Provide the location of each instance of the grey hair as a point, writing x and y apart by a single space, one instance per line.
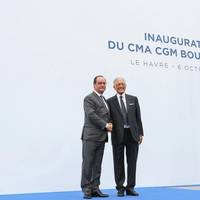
119 78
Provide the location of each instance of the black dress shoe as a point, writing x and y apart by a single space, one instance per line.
120 192
98 193
131 192
87 195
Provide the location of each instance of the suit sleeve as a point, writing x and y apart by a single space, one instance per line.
138 118
109 106
90 110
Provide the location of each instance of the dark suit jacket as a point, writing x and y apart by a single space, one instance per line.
96 118
134 118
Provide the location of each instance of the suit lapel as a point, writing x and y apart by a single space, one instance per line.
127 103
101 102
97 97
116 102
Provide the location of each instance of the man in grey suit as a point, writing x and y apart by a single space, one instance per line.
94 135
127 133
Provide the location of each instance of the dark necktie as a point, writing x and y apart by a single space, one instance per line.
104 102
123 110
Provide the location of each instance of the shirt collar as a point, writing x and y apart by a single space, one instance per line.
98 93
123 95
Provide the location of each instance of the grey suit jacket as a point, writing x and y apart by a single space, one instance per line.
134 118
96 118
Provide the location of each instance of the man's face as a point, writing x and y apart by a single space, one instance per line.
120 86
100 85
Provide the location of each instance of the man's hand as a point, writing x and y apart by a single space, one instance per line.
109 127
141 139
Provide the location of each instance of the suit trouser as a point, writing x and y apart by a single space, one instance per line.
131 157
92 155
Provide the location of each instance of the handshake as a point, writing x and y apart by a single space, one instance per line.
109 127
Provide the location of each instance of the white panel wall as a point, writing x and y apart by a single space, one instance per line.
49 53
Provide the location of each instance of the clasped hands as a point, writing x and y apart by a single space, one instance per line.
109 127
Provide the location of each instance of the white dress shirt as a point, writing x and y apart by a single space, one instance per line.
124 100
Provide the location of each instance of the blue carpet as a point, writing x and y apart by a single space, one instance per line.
148 193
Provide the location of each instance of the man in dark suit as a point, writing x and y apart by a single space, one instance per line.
127 133
94 135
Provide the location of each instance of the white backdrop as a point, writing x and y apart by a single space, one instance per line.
49 53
